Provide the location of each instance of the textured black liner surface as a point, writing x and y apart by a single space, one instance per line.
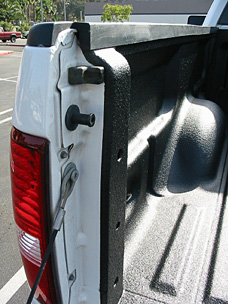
163 169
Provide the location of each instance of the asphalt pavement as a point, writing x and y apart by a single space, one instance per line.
18 43
13 287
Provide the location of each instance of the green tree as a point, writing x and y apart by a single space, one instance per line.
24 6
49 10
116 13
34 4
26 10
10 10
73 9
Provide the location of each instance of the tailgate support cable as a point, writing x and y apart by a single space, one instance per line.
69 179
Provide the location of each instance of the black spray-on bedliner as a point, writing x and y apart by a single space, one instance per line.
175 228
164 165
173 254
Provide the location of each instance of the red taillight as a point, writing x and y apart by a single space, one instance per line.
29 177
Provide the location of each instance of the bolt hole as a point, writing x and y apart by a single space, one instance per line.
71 277
92 120
116 282
120 155
118 226
63 154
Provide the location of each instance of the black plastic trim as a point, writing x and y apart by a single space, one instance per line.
114 170
45 34
93 36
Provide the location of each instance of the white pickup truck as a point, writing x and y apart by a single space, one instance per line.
119 162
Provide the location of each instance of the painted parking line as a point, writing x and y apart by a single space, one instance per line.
12 286
5 120
10 79
6 111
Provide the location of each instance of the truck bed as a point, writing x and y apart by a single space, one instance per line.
147 221
176 244
174 241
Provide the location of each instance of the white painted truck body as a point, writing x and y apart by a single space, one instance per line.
36 97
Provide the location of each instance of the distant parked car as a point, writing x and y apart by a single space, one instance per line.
12 36
26 34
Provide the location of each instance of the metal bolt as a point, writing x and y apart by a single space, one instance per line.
71 277
63 154
74 175
74 118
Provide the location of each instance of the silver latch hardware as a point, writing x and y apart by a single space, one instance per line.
70 176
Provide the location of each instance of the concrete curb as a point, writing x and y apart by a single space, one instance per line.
5 53
11 44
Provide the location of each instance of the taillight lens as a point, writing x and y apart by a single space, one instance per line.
29 180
